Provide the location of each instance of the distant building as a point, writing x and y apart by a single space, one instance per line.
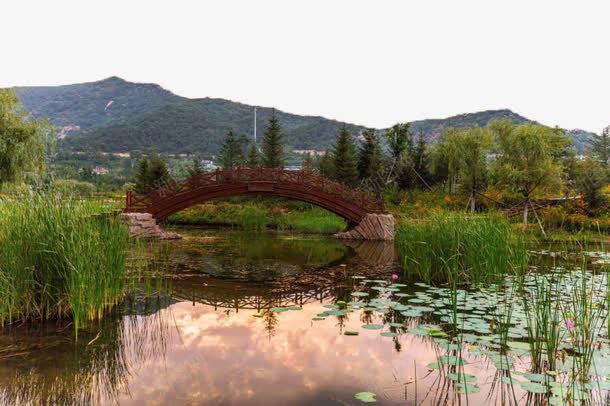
313 152
100 170
293 168
208 165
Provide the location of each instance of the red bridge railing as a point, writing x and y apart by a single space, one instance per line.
304 178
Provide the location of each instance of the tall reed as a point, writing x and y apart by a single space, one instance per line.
59 258
469 248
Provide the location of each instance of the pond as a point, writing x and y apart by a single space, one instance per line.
282 319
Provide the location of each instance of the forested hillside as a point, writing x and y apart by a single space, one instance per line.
114 115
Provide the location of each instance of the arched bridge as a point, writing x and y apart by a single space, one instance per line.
355 206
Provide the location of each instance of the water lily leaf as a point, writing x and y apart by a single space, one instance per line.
461 377
389 334
452 360
318 318
434 365
467 388
372 326
534 387
359 294
351 333
365 397
257 315
279 309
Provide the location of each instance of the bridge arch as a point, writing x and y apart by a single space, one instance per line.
304 185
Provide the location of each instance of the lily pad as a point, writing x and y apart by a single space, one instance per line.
372 326
389 334
365 397
351 333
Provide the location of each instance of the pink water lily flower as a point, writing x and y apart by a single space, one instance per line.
570 324
395 276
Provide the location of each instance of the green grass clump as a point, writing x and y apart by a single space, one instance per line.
314 221
462 248
59 258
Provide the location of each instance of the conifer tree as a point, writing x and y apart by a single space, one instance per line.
142 183
158 172
232 151
253 158
325 164
344 154
196 168
307 162
273 148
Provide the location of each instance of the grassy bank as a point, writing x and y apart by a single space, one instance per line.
259 213
459 247
59 258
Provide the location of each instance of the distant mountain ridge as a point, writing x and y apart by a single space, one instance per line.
114 115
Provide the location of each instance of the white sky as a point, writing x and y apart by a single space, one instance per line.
367 62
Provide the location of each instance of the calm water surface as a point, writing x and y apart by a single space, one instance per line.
225 336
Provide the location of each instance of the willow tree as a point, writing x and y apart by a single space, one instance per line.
446 157
474 145
527 158
23 140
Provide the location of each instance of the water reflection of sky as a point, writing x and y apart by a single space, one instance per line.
215 357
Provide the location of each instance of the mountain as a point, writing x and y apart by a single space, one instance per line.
94 104
114 115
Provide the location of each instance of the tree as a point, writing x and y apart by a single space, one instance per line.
590 179
527 158
474 145
195 169
307 162
23 141
344 155
254 160
400 145
325 164
141 180
152 173
370 162
600 148
232 151
273 148
158 172
446 157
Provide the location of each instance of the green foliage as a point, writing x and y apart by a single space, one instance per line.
254 160
152 173
527 158
465 153
232 151
196 168
59 258
273 144
262 212
23 142
370 162
325 164
459 248
72 188
307 162
600 148
344 156
590 179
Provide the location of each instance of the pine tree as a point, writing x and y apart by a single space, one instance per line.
253 158
325 164
307 162
158 172
273 148
196 168
142 182
365 153
370 162
420 160
346 170
232 151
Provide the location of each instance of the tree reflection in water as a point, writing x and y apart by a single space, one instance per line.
44 364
